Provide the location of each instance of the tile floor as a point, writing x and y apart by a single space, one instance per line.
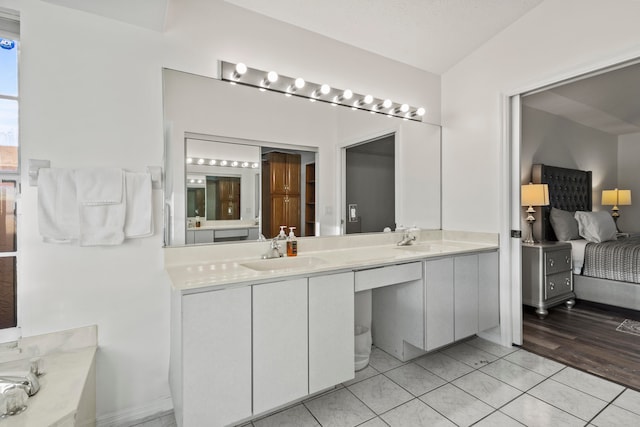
471 383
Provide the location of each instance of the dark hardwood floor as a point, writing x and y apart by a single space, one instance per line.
585 338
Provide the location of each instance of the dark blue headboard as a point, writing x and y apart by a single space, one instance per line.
569 190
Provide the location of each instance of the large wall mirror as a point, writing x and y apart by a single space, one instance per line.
208 121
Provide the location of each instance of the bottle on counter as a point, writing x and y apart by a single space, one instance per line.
282 235
292 243
197 221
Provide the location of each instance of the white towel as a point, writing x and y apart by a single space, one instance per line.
100 186
101 205
139 210
57 206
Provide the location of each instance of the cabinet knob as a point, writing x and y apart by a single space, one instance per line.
551 262
567 259
552 285
567 282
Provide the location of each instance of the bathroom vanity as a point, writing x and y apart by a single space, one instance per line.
249 336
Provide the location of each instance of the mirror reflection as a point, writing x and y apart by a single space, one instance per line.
213 117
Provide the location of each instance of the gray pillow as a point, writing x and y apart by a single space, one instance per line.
564 225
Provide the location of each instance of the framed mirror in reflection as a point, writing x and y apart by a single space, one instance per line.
198 108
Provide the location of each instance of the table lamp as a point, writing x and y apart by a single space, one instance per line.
533 195
616 198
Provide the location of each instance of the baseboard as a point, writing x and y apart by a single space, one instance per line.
134 416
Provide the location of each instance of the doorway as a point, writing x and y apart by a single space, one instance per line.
370 185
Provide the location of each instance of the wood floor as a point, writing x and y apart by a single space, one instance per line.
585 338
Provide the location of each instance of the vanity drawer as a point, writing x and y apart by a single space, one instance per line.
236 233
558 284
556 261
385 276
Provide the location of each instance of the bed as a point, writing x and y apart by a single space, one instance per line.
570 190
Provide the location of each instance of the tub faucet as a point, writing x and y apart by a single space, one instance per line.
407 239
274 250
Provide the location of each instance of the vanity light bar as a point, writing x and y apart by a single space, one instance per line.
289 86
201 161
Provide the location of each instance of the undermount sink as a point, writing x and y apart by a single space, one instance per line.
284 263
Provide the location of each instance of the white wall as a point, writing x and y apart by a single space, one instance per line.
554 39
629 178
556 141
91 95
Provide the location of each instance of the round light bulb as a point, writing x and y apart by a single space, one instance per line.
347 94
368 99
189 160
387 103
223 163
199 181
234 164
245 164
212 162
200 161
299 83
272 76
255 165
241 68
325 89
421 111
404 108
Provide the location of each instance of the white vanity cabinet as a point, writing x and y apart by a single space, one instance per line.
212 383
331 326
462 297
280 343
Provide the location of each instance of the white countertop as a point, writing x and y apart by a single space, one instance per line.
224 265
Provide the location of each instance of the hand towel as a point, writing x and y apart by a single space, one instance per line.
57 206
101 206
100 186
139 210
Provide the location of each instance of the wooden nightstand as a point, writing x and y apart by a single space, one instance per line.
547 276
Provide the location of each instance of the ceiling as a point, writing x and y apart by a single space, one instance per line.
432 35
609 101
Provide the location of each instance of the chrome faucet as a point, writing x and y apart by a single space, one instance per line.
275 251
407 239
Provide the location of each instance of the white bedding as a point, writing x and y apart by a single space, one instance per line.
577 254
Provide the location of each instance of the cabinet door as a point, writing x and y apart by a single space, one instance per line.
331 326
191 237
465 296
278 173
280 340
293 175
439 303
216 342
488 291
292 206
203 236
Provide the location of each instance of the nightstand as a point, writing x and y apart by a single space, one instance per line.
547 276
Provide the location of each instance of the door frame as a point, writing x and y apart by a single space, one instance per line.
510 209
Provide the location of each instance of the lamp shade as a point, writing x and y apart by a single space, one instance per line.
535 195
616 197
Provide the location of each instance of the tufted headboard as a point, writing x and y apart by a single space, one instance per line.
569 190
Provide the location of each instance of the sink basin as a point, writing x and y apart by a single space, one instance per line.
284 263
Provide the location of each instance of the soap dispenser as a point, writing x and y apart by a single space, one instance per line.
292 243
282 235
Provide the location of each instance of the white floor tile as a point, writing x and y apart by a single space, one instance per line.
568 399
534 362
514 375
536 413
590 384
614 416
380 393
298 416
415 413
339 409
382 361
629 400
457 405
415 379
469 355
443 366
498 419
489 347
362 374
486 388
376 422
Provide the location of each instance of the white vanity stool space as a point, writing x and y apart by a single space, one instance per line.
547 276
250 336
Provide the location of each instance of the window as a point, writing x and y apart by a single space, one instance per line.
9 166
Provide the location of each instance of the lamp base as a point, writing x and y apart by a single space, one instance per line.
529 237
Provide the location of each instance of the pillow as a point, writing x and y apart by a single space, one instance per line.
564 225
596 226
